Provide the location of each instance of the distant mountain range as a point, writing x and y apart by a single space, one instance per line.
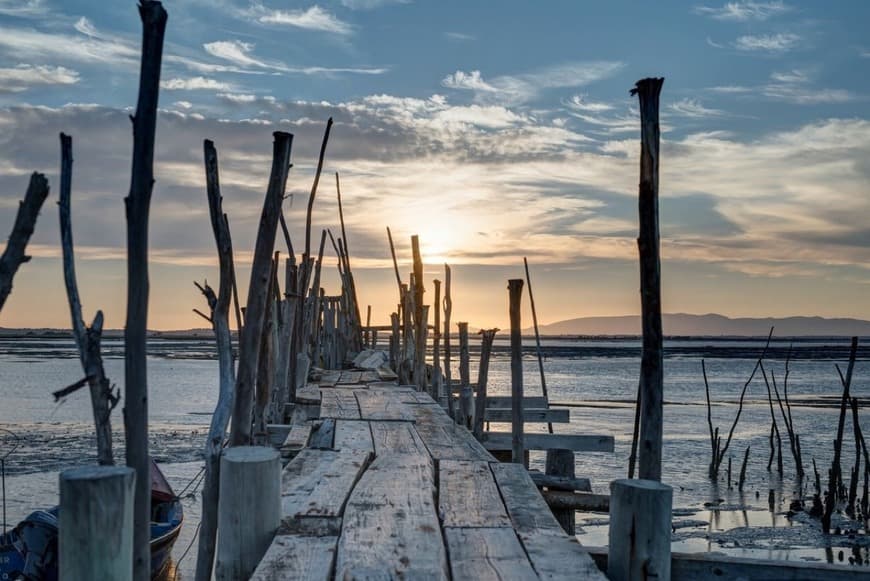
681 324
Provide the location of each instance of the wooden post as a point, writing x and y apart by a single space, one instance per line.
652 358
487 337
537 338
466 396
250 509
561 463
96 523
515 290
220 309
395 341
138 204
419 323
103 400
395 262
356 330
640 531
25 222
435 389
259 291
448 373
368 335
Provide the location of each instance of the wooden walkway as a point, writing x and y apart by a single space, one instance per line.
383 485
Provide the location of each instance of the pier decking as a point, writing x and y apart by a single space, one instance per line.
384 485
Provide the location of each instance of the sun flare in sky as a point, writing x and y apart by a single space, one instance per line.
492 131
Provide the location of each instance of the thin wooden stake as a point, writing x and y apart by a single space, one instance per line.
515 290
25 222
448 373
537 338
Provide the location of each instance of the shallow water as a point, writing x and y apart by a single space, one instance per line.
600 389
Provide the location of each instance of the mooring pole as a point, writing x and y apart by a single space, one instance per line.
515 290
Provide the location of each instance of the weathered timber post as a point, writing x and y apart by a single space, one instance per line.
250 509
25 222
351 290
561 463
515 290
419 322
103 400
651 367
640 530
395 262
368 333
466 395
96 523
220 316
435 389
138 204
394 341
640 510
487 337
448 373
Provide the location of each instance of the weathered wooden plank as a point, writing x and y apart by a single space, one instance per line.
468 496
444 439
369 376
390 528
277 433
709 566
504 401
386 384
296 440
559 557
560 482
297 557
577 442
329 378
414 397
350 377
396 438
525 505
339 404
387 374
553 554
382 405
487 553
308 394
353 435
302 412
315 486
322 433
530 416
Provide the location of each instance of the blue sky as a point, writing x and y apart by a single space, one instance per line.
494 130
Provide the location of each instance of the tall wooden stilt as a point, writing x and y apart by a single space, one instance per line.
515 289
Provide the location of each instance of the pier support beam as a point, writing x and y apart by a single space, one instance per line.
561 463
96 523
640 530
249 511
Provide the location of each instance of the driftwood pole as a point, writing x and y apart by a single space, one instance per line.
651 368
258 292
25 222
220 316
436 345
466 396
395 262
487 337
835 472
515 290
138 203
103 400
419 321
537 339
355 312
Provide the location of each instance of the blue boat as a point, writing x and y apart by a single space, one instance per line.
29 551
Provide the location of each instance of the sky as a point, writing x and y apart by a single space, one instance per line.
492 130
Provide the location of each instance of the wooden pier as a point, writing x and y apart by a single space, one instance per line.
382 484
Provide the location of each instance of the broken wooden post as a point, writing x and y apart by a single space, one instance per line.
259 291
640 530
560 463
395 341
515 290
25 222
96 523
419 322
487 338
138 204
448 373
368 333
220 316
652 363
87 340
466 396
250 509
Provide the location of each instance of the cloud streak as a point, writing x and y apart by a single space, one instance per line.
743 11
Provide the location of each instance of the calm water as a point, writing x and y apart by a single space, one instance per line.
598 379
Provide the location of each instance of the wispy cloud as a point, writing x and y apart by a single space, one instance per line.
24 77
23 8
236 52
27 43
521 88
195 84
313 18
794 86
459 36
370 4
743 11
581 103
772 43
241 55
693 108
